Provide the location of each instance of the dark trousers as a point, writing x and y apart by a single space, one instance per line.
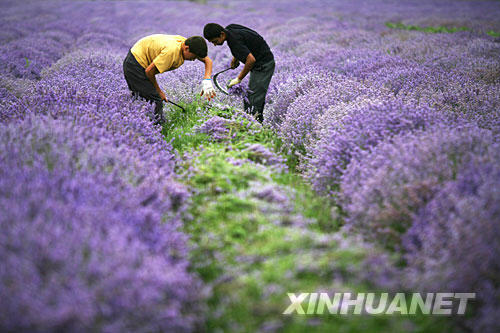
260 77
139 84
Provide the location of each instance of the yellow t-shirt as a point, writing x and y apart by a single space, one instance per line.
164 50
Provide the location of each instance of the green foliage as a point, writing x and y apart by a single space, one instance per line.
179 124
493 33
434 30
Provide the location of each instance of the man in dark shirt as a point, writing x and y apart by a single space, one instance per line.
250 48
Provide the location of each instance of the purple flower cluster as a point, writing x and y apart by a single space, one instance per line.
383 189
36 36
217 128
263 155
276 203
454 242
360 131
269 193
240 90
84 244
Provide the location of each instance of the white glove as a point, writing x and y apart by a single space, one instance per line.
233 82
207 89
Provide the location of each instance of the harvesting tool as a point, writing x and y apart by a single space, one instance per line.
214 79
177 106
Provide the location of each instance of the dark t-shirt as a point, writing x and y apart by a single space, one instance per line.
242 41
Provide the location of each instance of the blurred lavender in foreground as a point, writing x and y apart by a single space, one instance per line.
88 243
454 242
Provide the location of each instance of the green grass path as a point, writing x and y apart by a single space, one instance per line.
258 231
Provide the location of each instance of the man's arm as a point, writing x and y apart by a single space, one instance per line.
250 61
151 71
208 66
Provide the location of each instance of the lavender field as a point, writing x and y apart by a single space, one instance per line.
377 168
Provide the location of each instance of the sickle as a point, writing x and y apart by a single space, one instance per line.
183 110
217 83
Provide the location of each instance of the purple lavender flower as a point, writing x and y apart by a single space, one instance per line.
261 154
83 243
382 190
240 90
216 127
454 241
269 193
361 130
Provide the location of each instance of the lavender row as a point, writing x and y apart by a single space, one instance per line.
91 235
89 240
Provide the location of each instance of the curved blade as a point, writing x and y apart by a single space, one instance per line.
214 79
183 110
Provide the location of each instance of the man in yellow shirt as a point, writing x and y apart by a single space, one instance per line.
160 53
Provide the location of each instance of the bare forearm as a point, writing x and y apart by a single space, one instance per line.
250 61
208 67
152 78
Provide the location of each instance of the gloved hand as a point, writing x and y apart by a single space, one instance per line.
207 89
233 82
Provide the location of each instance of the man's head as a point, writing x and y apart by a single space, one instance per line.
214 33
194 47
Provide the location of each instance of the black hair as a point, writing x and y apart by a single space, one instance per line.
197 45
212 30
